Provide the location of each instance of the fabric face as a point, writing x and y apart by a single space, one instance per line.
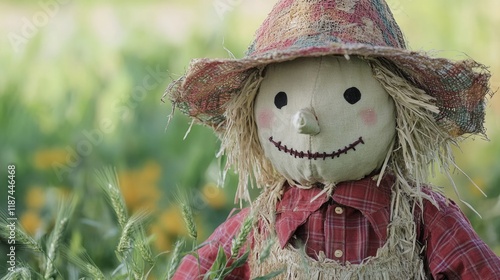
324 119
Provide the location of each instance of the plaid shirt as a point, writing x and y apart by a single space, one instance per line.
352 224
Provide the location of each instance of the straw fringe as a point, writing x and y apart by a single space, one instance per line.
419 142
398 259
240 141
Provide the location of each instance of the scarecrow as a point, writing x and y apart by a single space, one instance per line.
337 121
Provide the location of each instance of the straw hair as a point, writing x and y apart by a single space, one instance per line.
240 141
419 142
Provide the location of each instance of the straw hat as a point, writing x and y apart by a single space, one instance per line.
309 28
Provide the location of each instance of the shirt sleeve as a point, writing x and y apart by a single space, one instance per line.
454 250
195 268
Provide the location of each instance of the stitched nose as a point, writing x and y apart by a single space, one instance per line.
305 122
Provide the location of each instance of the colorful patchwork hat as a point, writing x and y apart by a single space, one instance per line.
310 28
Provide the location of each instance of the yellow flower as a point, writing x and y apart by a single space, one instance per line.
171 221
30 220
151 172
161 239
170 226
43 159
214 196
140 187
35 198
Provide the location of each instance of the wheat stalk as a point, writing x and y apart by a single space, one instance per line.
187 213
128 231
174 259
136 265
65 211
84 262
132 248
187 216
239 240
142 245
20 273
21 236
108 181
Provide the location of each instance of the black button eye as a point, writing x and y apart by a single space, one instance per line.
352 95
280 99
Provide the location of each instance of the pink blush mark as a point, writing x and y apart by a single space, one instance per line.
265 119
369 116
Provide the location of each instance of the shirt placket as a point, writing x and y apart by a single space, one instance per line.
335 224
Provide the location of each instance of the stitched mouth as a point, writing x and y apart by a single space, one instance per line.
317 155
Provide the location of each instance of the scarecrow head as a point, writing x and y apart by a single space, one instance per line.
324 120
328 92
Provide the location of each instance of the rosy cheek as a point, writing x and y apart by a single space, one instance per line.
369 116
265 119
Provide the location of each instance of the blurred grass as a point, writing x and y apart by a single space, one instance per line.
83 91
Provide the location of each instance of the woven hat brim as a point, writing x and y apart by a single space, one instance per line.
459 87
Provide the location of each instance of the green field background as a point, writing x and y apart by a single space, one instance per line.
80 89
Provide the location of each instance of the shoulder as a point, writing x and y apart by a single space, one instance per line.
440 209
453 248
437 216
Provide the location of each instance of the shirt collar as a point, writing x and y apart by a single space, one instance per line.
296 205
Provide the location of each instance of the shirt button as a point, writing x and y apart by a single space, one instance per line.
338 253
339 210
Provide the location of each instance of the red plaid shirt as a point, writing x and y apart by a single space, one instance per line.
352 225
